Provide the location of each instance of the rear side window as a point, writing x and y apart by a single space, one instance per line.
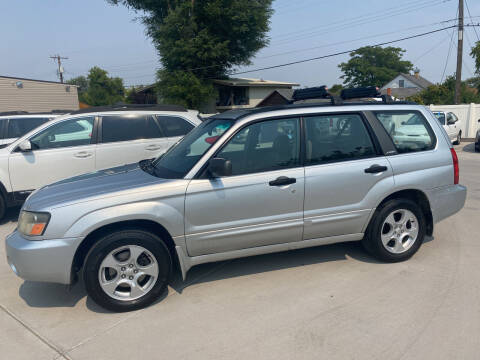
19 127
338 137
409 130
127 127
174 126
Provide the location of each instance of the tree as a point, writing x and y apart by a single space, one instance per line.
335 89
444 93
98 88
198 41
374 66
475 53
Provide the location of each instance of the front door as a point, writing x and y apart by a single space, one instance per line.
261 203
343 169
60 151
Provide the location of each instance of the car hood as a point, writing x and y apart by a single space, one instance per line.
89 186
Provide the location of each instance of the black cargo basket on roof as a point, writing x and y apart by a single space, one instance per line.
10 113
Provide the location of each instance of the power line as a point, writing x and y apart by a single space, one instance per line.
432 48
448 55
470 15
339 53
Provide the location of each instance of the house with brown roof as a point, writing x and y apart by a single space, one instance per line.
406 85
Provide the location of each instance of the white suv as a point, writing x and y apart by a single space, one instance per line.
451 124
86 141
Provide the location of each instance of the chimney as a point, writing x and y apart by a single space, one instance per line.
389 91
416 72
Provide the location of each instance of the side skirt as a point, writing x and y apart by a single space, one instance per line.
187 262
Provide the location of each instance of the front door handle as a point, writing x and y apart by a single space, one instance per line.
374 169
82 154
153 147
282 180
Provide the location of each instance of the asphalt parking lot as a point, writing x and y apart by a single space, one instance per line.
331 302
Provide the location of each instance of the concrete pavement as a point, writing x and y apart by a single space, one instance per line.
331 302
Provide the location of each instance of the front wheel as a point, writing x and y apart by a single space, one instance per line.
396 231
127 270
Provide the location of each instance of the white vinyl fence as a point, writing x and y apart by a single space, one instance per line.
469 114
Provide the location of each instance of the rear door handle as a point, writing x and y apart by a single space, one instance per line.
282 180
82 154
375 169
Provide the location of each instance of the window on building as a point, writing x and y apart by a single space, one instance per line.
401 83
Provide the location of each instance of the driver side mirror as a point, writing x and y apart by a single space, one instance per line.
25 146
219 167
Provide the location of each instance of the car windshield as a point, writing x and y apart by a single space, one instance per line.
181 157
440 117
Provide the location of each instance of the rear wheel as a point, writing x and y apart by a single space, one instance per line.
458 140
3 207
127 270
396 231
477 146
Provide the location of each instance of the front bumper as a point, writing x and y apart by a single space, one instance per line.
446 201
43 260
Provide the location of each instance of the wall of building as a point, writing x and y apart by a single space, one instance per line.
394 83
36 96
468 114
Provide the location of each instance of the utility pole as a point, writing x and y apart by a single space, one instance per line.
458 83
59 59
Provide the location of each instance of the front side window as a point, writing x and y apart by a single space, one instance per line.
20 126
129 127
74 132
337 137
173 126
181 158
264 146
409 130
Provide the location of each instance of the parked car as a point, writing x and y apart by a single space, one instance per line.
269 180
477 140
85 141
451 124
15 124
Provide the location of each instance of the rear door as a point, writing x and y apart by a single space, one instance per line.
344 170
17 127
128 138
174 127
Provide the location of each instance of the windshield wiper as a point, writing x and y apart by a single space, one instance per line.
147 166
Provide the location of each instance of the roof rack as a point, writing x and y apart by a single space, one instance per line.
321 92
127 107
9 113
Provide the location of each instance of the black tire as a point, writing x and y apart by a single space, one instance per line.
459 139
477 147
109 243
372 241
3 207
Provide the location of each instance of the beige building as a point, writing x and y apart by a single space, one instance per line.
237 93
36 95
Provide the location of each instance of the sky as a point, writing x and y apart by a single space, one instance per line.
95 33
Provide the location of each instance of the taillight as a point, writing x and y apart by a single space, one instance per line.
456 170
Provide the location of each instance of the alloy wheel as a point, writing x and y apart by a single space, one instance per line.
399 231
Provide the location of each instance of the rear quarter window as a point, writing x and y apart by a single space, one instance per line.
409 130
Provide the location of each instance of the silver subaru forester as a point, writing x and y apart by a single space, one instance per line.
243 183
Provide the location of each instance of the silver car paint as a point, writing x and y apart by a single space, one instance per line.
87 203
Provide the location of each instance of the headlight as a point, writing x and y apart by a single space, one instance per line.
33 223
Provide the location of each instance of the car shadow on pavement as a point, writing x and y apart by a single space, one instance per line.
57 295
470 147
